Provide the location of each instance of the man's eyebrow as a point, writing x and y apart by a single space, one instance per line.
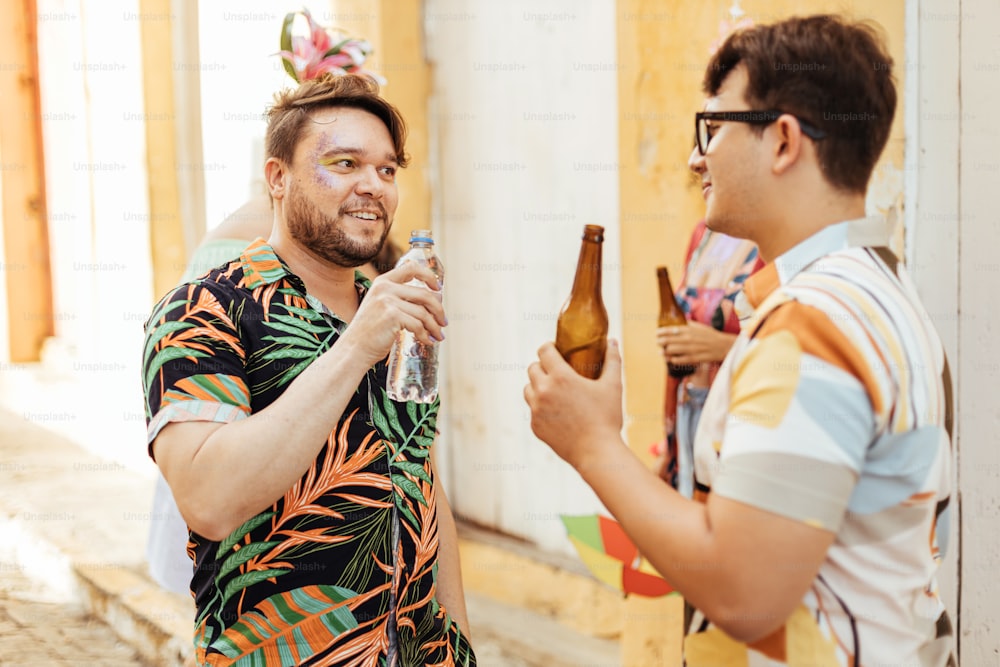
358 152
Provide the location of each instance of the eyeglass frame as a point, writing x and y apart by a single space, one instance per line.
751 117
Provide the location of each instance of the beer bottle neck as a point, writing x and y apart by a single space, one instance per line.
588 269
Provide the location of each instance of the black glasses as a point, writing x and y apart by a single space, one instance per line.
703 133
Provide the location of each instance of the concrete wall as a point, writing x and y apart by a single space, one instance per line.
524 124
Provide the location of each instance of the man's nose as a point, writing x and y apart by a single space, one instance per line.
696 161
369 182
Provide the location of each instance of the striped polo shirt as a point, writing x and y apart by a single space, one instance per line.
834 408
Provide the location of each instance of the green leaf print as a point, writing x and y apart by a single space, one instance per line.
293 372
405 511
415 469
309 314
300 324
161 331
380 422
227 544
410 488
392 416
290 353
165 307
169 354
248 580
295 331
307 618
290 340
243 555
418 453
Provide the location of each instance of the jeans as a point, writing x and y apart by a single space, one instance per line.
689 406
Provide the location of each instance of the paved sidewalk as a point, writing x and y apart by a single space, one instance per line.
79 523
37 628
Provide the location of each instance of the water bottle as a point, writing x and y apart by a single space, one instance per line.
413 366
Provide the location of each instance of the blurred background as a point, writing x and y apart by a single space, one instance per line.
130 128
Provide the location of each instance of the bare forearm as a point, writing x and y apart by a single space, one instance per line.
245 466
711 553
669 530
450 591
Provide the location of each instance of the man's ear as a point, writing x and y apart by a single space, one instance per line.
276 177
788 143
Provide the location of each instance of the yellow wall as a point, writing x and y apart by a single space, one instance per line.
663 46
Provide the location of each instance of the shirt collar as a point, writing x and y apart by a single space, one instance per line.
262 266
870 231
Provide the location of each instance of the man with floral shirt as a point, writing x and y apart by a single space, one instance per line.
822 458
317 528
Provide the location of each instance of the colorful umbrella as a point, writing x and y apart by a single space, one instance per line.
612 557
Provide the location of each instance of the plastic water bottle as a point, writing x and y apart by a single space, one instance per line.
413 366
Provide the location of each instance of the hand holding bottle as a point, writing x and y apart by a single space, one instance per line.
413 363
393 304
694 343
577 417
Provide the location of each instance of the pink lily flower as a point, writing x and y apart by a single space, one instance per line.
306 58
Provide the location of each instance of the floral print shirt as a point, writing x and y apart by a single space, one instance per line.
342 569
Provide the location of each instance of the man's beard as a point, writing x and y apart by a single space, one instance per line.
324 235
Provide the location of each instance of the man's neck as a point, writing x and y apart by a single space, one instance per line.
797 223
333 285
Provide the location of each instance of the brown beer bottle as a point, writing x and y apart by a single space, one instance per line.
582 329
671 315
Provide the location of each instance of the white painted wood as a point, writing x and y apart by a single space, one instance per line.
95 158
191 164
932 201
524 117
979 363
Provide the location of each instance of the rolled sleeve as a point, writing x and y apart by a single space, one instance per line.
193 361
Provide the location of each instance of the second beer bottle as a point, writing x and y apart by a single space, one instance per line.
582 329
671 315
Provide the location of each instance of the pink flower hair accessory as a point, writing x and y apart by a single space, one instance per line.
323 50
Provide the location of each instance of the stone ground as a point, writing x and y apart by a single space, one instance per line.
39 630
73 582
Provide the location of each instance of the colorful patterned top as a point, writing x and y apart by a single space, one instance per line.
341 570
834 408
715 268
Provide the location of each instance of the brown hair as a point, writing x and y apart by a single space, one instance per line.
834 74
287 117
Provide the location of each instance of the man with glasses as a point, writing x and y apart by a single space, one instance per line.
822 458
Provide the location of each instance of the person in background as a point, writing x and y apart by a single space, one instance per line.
716 266
823 454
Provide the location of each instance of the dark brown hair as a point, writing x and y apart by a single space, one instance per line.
834 74
287 117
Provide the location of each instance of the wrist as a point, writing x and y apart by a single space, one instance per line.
597 454
350 355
